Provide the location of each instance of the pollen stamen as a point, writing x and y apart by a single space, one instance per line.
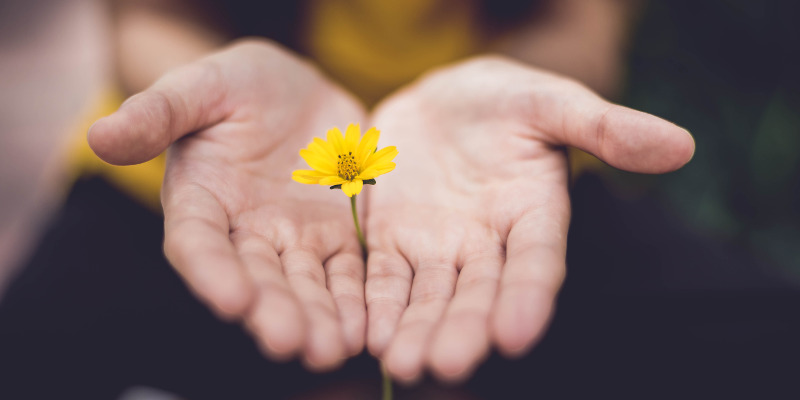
347 166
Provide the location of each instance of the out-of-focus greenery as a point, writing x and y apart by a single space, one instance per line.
729 72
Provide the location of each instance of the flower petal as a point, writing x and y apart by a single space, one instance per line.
336 140
332 180
322 148
307 176
367 146
383 155
376 170
352 188
351 138
319 163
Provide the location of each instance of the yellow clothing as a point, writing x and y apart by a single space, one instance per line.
374 47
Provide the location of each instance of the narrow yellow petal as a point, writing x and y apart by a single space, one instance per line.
336 140
322 148
352 188
318 163
367 146
383 155
383 165
332 180
376 170
307 176
385 170
351 138
368 174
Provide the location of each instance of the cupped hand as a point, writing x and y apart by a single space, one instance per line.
467 237
253 244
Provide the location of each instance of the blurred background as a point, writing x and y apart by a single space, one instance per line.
681 284
54 57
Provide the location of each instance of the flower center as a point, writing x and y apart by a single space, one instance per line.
347 166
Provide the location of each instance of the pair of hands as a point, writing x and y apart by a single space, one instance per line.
466 238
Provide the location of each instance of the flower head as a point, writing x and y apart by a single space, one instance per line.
346 161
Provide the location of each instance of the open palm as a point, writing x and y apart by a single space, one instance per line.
467 237
281 256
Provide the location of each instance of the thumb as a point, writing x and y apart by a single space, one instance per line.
184 100
622 137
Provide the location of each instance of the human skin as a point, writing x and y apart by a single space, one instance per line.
467 237
472 224
281 257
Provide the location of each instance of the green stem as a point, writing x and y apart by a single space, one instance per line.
358 227
387 380
387 384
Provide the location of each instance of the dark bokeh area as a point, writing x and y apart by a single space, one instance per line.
728 72
683 285
75 322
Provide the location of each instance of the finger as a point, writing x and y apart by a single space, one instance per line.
431 291
532 275
325 348
276 319
196 243
454 354
387 289
624 138
182 101
345 276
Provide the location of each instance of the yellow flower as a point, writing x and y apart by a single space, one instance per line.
348 161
